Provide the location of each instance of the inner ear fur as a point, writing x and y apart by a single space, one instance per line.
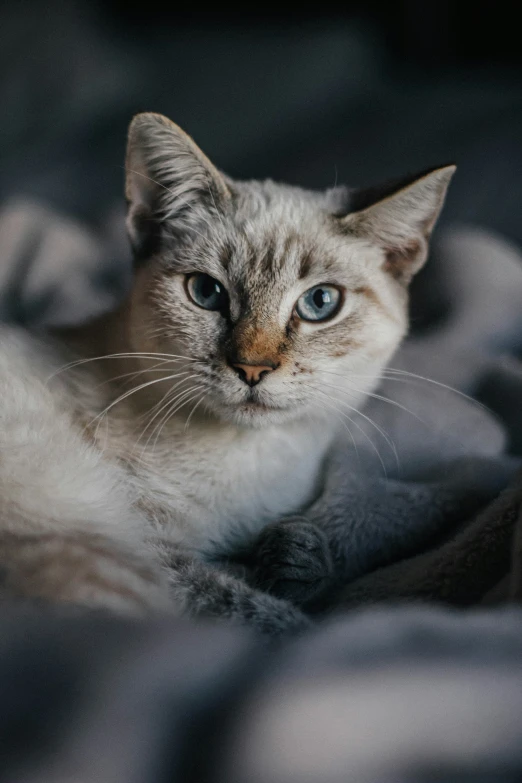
401 221
168 180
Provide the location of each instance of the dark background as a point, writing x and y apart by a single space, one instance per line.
312 95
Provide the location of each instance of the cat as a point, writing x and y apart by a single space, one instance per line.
140 451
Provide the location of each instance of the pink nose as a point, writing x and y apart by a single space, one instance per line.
252 373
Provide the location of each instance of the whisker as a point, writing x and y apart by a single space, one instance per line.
375 396
182 399
381 397
339 415
125 355
389 373
159 406
365 434
379 429
171 401
125 395
135 373
396 404
408 374
196 406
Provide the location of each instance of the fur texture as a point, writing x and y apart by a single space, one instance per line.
136 455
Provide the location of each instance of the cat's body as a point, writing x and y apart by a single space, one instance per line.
176 430
67 475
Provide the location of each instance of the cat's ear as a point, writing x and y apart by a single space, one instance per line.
400 219
168 180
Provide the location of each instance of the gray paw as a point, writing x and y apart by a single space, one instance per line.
293 561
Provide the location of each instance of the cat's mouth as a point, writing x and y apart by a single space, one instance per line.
257 410
257 402
252 404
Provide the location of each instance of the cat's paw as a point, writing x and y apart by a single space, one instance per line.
293 561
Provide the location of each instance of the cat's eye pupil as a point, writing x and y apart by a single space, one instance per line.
206 291
208 287
321 297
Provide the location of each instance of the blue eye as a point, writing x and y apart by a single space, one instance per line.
206 292
318 303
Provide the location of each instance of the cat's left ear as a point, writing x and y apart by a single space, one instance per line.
401 220
168 181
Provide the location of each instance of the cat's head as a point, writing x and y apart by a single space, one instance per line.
285 302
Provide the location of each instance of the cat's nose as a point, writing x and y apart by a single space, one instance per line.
253 373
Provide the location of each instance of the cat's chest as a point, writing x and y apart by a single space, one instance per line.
216 495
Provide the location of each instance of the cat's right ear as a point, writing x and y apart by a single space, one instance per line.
170 184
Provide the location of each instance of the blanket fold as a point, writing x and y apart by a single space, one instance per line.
481 563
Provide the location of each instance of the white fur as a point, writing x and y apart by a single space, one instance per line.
209 488
51 477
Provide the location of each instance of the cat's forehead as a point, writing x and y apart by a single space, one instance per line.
260 206
272 252
278 234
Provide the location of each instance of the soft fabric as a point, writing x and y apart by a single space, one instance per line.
402 696
480 563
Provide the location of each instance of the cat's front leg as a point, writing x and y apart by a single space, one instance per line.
202 590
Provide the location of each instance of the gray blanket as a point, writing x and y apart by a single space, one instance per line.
396 696
385 695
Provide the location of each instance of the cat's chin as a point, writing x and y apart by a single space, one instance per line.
258 415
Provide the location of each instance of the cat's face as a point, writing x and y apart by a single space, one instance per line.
285 303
